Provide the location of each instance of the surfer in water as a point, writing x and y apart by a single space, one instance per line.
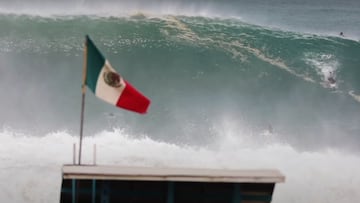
331 78
341 34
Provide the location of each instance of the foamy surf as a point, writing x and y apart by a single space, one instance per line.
25 157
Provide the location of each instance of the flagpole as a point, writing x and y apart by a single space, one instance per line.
83 90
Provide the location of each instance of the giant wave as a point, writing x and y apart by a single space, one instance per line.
225 94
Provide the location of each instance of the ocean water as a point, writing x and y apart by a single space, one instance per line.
236 84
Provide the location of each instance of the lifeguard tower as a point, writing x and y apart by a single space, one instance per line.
115 184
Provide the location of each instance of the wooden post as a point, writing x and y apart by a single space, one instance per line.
74 153
94 158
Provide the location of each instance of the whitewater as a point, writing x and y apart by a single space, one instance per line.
235 85
31 166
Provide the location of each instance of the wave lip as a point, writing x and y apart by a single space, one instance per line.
117 9
318 20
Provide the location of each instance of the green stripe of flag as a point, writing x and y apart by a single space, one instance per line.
95 62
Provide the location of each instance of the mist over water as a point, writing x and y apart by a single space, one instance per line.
241 84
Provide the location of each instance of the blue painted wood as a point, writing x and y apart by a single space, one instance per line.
170 192
262 198
236 193
105 191
73 185
93 190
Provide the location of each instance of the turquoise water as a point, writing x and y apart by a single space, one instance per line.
196 70
232 84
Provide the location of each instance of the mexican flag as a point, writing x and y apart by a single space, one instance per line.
108 85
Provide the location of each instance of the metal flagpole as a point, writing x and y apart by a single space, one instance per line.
83 87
